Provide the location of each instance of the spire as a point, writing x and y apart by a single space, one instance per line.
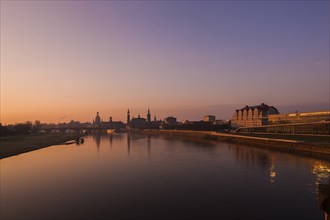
97 118
148 116
128 117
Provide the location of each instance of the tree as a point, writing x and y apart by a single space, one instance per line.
37 124
23 128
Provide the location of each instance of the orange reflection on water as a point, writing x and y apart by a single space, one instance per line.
322 171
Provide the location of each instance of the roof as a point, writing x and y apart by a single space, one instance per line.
262 107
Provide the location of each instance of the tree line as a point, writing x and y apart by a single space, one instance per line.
19 128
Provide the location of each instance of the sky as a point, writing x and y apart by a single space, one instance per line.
64 60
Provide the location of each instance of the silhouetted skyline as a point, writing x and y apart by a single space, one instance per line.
187 58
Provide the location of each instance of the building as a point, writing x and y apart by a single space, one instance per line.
304 117
116 125
316 123
148 117
128 117
221 122
170 121
97 120
209 118
253 116
100 124
139 122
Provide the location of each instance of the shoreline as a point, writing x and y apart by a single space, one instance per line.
15 145
310 149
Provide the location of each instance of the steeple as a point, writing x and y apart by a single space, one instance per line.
148 117
128 117
97 119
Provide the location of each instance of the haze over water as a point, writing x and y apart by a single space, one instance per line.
154 177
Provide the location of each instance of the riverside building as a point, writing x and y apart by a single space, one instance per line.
253 116
311 123
209 118
139 122
98 123
303 117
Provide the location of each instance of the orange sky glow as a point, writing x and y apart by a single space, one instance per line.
63 61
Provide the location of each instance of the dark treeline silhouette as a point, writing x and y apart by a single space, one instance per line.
17 129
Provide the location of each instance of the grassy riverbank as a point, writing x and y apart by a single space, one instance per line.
14 145
318 147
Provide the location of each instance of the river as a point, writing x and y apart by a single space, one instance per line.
122 176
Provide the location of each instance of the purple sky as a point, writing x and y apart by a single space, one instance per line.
186 58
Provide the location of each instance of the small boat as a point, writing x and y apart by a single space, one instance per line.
79 140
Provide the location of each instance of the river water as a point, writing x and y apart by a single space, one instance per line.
123 176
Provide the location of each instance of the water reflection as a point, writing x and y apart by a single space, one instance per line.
324 199
128 144
100 136
253 157
97 138
272 170
321 171
149 145
111 136
153 177
247 156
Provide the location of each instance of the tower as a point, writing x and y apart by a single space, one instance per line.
97 119
128 117
110 123
148 117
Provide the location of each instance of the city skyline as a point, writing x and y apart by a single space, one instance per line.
67 60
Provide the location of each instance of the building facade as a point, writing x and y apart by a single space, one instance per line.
209 118
316 123
98 123
140 122
170 121
303 117
252 116
97 120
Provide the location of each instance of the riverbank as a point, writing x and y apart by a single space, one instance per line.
18 144
296 146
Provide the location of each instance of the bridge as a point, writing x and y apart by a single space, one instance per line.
82 129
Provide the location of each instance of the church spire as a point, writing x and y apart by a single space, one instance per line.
148 117
97 119
128 117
